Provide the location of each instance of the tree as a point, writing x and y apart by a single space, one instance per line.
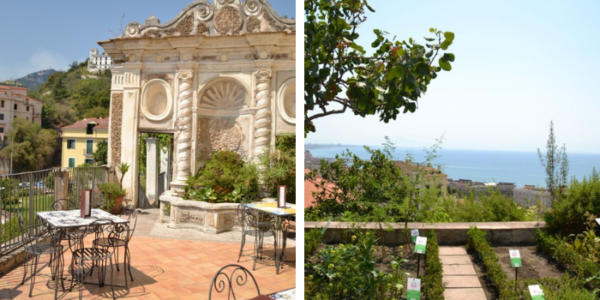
31 146
340 75
101 153
556 163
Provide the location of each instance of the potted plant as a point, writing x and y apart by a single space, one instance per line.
114 193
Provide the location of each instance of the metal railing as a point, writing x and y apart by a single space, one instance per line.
31 192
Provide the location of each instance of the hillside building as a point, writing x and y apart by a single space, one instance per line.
14 103
80 140
98 62
431 177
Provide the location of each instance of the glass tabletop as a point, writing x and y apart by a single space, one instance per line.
72 218
271 207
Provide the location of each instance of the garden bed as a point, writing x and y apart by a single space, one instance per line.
535 263
374 271
499 277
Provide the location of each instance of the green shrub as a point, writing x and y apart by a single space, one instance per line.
225 178
491 207
433 285
559 249
568 214
348 272
278 167
312 240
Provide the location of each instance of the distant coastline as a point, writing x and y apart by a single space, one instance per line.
486 166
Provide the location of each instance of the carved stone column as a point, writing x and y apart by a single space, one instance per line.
262 123
184 132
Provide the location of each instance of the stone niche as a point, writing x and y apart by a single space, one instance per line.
156 105
224 120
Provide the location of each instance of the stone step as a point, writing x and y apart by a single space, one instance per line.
456 260
464 281
458 270
453 251
464 294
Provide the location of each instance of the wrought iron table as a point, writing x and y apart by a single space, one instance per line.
280 213
64 220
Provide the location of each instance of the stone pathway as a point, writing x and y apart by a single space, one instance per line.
459 277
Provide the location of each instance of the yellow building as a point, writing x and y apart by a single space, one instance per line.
80 140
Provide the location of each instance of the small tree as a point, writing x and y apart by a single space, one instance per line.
31 146
101 153
556 164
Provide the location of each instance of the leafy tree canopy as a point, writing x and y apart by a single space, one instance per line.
31 145
339 71
101 153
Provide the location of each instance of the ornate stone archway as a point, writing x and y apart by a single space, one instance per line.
210 76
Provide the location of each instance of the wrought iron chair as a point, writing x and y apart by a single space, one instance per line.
226 280
96 256
254 224
62 204
116 240
32 236
288 228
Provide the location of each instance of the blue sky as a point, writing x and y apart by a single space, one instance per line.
519 65
39 34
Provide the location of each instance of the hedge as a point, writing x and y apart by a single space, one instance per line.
433 285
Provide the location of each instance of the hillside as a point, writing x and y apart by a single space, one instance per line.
73 95
34 80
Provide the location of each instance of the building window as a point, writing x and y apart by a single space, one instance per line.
1 129
89 147
2 103
27 107
70 144
15 106
1 116
89 161
71 162
90 128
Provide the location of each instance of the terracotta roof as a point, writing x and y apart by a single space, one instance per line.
310 188
82 124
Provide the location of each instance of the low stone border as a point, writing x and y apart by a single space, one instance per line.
206 217
448 234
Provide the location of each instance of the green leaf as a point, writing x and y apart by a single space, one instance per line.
444 64
369 7
376 43
448 56
445 44
400 52
449 35
429 39
429 54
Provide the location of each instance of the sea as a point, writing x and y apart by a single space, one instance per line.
520 168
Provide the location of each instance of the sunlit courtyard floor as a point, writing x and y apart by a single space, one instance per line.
164 267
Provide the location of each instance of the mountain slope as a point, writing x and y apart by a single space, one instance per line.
34 80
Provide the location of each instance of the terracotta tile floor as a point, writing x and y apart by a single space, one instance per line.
162 269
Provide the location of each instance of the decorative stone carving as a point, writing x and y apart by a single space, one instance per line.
156 100
203 12
228 20
286 101
164 76
225 134
252 8
116 115
225 94
226 17
253 24
184 122
262 124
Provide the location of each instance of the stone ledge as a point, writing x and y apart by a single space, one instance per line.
499 233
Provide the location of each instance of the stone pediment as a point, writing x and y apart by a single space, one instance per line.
223 18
